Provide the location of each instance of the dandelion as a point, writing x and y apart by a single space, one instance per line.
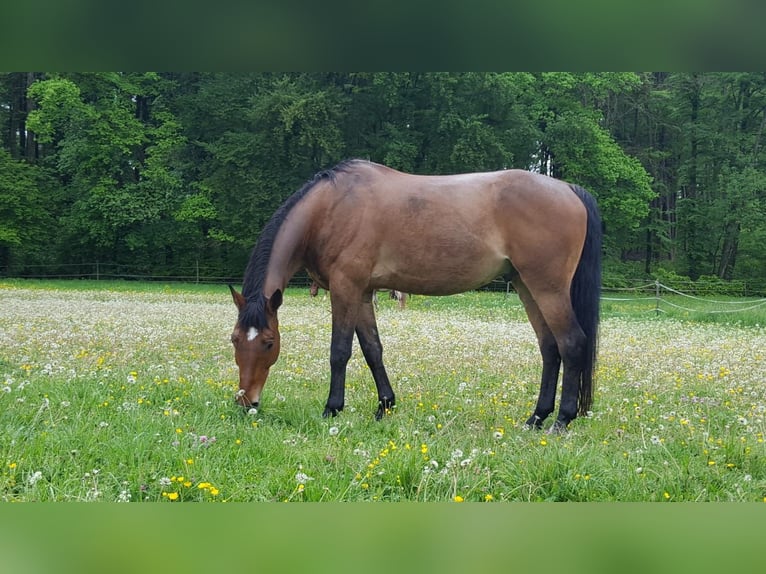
165 481
334 431
543 442
656 440
459 498
666 495
252 411
488 498
302 478
172 496
742 420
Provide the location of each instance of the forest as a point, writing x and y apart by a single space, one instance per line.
174 174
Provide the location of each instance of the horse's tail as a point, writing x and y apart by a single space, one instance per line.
586 296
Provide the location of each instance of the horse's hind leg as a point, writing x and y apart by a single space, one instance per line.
556 308
369 341
550 354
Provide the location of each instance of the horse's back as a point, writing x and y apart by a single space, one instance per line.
446 233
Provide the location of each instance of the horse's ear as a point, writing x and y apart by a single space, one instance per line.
275 301
239 300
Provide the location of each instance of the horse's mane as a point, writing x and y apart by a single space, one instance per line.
253 314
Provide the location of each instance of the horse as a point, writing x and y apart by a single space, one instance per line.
352 228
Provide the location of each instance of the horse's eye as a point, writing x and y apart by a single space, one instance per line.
268 345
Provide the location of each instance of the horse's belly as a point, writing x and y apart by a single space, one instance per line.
438 275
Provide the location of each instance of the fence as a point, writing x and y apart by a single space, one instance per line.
655 292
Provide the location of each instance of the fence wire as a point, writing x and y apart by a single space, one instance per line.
660 289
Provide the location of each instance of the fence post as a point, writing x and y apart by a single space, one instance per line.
97 271
197 267
656 296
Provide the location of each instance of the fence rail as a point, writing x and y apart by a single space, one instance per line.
643 291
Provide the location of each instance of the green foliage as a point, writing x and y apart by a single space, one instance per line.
172 169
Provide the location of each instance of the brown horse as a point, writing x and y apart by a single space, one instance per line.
353 227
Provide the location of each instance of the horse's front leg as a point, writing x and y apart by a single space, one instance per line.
369 341
344 313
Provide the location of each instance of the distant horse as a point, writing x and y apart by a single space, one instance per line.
393 293
399 296
353 229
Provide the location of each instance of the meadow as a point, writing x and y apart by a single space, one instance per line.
124 392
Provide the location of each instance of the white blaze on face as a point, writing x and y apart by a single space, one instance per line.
252 333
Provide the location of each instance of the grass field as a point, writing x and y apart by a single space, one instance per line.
124 392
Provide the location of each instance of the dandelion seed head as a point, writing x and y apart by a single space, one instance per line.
302 478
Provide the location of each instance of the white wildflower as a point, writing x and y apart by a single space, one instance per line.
302 478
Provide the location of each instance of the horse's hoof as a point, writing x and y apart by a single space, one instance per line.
534 422
330 412
558 427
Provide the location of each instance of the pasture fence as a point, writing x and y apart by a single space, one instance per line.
656 292
691 297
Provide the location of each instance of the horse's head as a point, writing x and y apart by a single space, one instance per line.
255 350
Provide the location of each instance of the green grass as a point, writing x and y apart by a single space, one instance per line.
123 391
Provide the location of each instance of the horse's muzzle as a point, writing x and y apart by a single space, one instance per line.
247 407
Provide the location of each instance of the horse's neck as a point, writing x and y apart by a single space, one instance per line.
288 251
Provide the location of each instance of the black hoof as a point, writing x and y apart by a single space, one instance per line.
534 422
559 427
330 412
384 407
